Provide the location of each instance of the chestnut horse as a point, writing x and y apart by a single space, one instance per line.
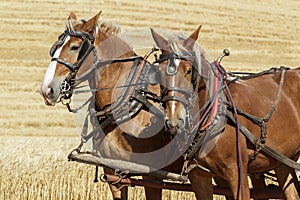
267 105
88 44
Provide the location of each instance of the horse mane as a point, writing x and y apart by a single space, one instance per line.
106 27
109 28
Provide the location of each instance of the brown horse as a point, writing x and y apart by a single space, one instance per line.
197 103
90 46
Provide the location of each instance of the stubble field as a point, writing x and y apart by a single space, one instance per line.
35 140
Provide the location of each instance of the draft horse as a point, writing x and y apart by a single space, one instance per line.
119 81
265 104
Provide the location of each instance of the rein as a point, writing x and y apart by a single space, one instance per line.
137 98
133 98
258 143
220 75
87 46
262 121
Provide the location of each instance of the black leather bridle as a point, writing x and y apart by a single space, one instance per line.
86 48
171 70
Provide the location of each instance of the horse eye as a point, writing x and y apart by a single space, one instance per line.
188 71
74 48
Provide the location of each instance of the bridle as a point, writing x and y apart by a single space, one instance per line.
171 71
187 94
135 88
86 48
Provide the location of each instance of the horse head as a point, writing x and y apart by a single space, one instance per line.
180 64
184 70
68 54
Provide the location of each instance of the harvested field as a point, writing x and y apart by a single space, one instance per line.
36 139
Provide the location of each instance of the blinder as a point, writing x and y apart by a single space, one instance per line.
83 49
58 43
172 69
86 47
61 39
195 75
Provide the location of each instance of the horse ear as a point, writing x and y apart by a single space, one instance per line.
72 16
189 43
91 24
160 41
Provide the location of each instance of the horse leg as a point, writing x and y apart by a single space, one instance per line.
237 191
117 194
222 183
258 182
152 193
287 183
231 174
201 184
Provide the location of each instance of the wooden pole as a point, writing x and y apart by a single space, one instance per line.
130 167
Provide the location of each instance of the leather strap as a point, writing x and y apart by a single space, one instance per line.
265 148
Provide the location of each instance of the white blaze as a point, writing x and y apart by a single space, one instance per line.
49 75
177 62
173 106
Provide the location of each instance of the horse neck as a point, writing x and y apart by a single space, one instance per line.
115 74
110 46
203 92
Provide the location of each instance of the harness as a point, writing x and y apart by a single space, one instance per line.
190 128
133 97
171 71
221 107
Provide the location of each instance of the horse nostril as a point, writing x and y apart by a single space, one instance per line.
50 92
168 124
181 120
179 123
171 124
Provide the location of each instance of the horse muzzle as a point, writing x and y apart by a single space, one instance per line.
51 93
174 126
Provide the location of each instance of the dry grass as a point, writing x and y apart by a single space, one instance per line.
260 35
37 168
34 168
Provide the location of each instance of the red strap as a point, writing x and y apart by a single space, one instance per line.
215 106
